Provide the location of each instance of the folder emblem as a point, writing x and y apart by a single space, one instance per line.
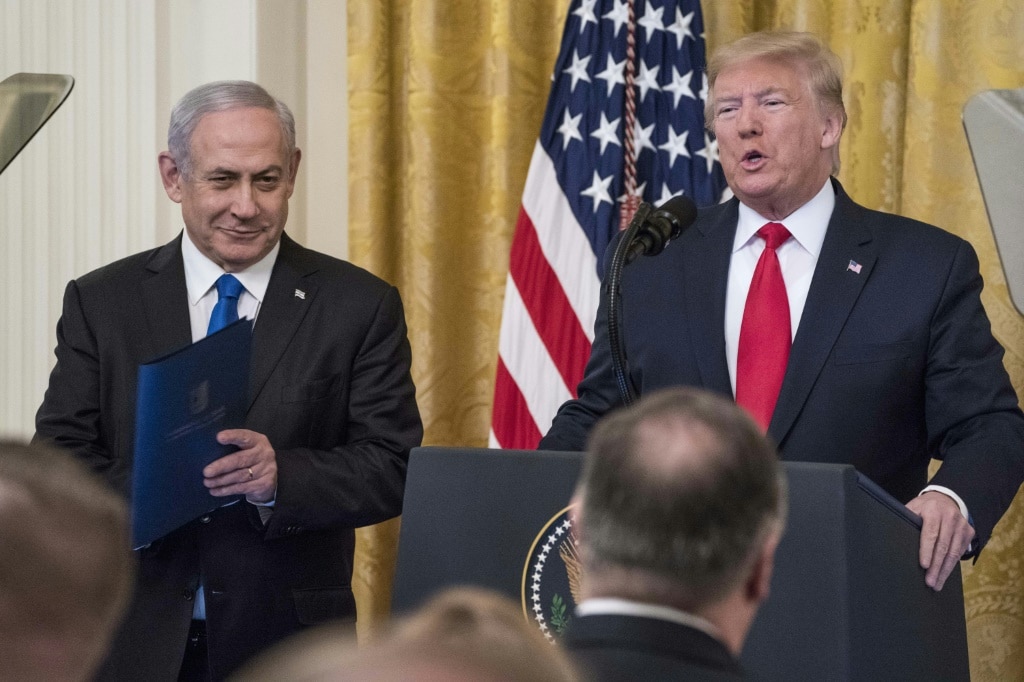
199 397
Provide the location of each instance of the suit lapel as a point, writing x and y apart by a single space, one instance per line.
165 302
705 295
834 290
289 295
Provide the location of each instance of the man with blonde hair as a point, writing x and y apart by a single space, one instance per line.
462 633
852 336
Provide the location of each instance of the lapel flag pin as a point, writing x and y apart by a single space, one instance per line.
299 293
854 266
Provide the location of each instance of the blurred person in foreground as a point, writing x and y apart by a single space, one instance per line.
678 513
851 335
461 634
331 413
65 567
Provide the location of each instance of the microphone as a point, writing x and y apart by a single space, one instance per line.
660 226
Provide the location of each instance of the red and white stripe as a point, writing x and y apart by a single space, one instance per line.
551 298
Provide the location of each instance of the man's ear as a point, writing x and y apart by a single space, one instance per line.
170 175
576 514
832 131
760 579
293 170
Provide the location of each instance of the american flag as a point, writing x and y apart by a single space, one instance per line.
577 183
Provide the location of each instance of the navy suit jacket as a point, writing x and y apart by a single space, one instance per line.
891 365
330 387
617 648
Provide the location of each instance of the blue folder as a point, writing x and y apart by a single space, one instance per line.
184 399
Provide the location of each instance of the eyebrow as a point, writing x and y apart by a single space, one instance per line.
760 94
220 170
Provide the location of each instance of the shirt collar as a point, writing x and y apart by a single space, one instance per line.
201 273
610 606
807 224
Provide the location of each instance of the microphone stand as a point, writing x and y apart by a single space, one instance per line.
615 299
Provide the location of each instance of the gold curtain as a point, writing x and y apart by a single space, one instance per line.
446 99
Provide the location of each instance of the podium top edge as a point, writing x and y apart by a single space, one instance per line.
433 450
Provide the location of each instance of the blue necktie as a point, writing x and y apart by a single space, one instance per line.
226 310
224 313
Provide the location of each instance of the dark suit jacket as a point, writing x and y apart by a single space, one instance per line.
890 366
331 389
613 648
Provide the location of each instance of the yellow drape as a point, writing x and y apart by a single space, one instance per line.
446 99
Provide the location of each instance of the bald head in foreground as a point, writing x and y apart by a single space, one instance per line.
679 511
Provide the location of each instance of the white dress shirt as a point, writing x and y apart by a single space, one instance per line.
611 606
201 276
797 258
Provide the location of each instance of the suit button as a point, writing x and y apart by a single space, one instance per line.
205 519
187 594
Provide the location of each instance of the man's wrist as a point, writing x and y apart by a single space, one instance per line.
268 503
948 493
959 503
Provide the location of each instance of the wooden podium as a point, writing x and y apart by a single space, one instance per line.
848 599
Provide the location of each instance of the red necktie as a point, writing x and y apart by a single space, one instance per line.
765 335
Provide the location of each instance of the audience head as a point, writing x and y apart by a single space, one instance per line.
462 634
66 568
681 503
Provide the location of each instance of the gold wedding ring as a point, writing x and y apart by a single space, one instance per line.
251 475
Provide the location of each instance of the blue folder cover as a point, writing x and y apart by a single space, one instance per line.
184 400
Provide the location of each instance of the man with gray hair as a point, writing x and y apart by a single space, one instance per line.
678 512
65 570
331 405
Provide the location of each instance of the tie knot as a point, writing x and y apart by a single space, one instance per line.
774 234
228 287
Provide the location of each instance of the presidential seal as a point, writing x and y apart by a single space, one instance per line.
551 577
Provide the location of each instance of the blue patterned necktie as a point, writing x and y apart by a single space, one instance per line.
226 310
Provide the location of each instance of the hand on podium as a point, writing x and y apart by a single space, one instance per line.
945 536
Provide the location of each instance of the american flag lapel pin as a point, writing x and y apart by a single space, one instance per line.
299 293
854 266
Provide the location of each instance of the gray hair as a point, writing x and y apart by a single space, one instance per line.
824 69
682 487
221 96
